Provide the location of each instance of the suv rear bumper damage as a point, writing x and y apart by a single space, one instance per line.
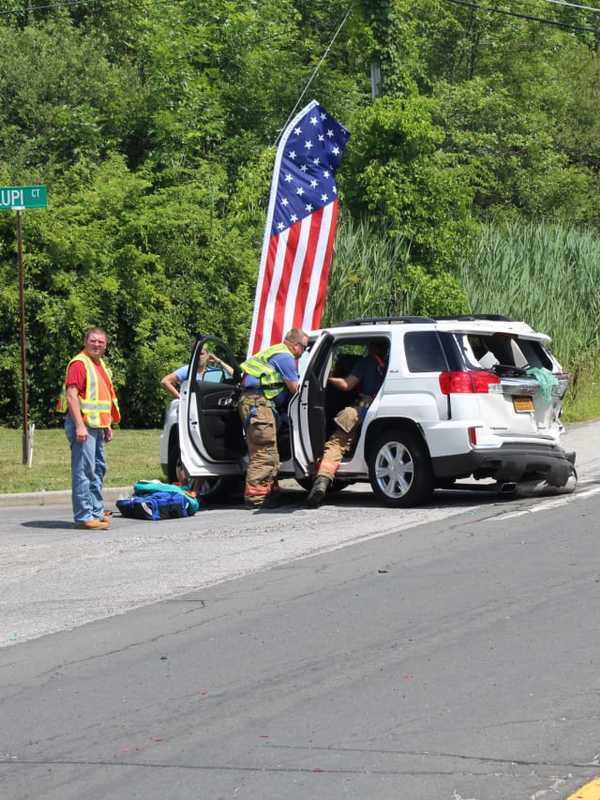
509 463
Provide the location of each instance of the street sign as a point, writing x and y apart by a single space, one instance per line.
16 198
19 198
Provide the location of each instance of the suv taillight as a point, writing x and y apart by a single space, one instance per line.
476 382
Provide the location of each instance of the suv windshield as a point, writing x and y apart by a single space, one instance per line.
493 351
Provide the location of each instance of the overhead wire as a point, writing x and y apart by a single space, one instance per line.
58 4
315 71
573 5
544 20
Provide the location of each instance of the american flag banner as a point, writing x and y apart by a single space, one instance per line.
300 230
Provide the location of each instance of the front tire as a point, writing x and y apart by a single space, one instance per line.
400 469
210 490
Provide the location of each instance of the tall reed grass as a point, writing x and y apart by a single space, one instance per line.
545 274
365 278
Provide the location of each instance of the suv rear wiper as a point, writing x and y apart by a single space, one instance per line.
509 370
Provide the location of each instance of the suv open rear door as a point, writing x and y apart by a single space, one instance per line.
209 426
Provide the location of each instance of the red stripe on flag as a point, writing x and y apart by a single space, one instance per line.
307 267
277 332
322 293
266 285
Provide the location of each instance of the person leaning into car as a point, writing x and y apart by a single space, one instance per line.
368 374
269 379
210 368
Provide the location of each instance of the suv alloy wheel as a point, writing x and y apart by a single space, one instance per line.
400 469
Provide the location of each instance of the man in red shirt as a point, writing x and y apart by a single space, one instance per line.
91 406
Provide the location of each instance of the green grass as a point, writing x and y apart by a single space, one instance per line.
547 275
583 399
131 456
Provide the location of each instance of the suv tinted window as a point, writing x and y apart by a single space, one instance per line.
424 352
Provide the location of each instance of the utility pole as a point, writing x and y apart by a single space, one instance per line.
22 335
376 82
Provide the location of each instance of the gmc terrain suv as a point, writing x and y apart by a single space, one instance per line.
476 396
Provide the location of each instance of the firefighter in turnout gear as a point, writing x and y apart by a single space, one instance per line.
367 375
270 378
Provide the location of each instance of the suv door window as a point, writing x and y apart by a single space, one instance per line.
213 420
424 352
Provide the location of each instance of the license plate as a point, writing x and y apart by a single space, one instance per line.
523 404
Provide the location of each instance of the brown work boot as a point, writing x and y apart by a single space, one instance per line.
94 524
318 491
250 504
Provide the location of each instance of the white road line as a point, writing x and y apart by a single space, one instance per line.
548 505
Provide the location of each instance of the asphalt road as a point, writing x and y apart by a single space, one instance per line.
451 654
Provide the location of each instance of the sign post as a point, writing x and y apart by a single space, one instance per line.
18 198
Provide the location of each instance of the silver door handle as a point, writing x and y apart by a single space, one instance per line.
225 402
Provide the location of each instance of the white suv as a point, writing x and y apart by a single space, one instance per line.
476 396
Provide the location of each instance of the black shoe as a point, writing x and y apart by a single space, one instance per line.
273 500
318 491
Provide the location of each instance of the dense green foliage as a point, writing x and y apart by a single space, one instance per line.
153 122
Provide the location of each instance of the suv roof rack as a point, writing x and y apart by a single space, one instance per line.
383 321
474 317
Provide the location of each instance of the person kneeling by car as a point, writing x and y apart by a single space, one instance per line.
369 372
270 378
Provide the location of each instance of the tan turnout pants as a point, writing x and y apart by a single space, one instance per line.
257 416
340 442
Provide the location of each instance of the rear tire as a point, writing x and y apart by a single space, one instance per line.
400 469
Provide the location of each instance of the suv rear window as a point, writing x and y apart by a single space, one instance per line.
424 352
485 352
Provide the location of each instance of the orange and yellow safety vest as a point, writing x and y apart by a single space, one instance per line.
99 406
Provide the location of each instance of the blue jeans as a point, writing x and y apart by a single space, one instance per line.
88 468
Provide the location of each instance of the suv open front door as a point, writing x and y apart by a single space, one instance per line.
208 414
307 409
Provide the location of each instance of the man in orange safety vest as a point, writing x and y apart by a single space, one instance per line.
89 401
